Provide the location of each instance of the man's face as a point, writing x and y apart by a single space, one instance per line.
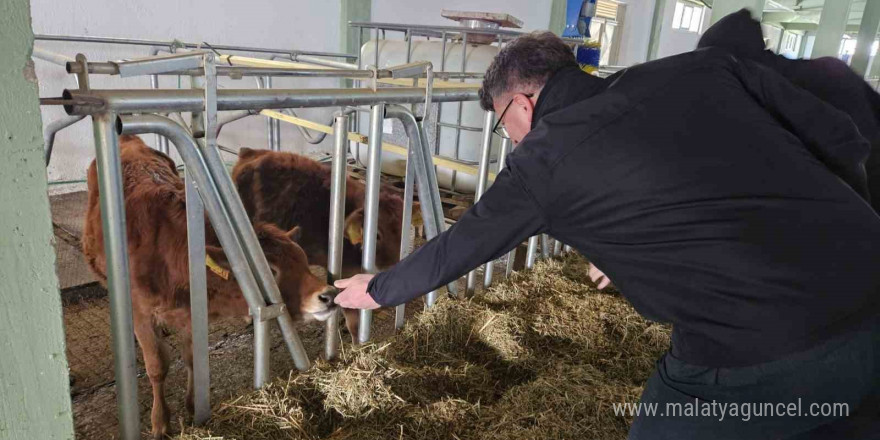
517 118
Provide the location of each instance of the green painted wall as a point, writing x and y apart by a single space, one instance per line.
656 29
34 389
352 10
557 16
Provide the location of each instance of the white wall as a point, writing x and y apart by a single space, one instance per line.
535 14
675 41
291 24
636 36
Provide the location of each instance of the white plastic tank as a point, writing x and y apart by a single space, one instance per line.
479 56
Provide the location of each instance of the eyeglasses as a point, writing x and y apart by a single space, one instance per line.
501 118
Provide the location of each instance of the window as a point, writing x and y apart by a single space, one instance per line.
688 16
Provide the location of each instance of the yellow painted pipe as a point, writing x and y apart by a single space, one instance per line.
259 62
359 138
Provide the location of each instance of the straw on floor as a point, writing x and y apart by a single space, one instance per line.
542 355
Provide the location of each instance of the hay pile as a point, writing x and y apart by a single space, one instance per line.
543 355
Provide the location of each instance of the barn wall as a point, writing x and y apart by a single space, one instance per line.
35 402
636 36
675 41
293 24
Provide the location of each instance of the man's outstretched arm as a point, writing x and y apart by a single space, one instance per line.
505 216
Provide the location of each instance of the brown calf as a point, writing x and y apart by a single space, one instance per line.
155 209
287 190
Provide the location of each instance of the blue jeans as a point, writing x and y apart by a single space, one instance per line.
792 398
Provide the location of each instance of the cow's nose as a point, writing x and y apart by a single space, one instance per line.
327 295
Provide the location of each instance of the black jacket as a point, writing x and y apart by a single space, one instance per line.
830 79
718 197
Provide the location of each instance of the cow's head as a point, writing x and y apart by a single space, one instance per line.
388 229
307 297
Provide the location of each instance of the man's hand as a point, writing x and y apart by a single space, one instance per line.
598 277
354 293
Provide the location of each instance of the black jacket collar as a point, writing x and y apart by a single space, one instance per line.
566 87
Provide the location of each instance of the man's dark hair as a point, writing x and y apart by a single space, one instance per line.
524 65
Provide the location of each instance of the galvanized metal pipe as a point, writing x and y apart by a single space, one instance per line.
53 128
482 178
502 163
112 205
429 192
371 208
161 142
557 247
274 125
256 258
112 68
148 101
546 246
195 213
406 225
198 300
532 252
337 225
464 42
270 122
175 43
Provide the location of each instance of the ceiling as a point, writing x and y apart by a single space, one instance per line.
804 14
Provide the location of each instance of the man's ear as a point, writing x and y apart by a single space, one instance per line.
527 105
417 220
354 227
295 234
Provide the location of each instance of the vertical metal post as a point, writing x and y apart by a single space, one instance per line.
205 122
532 252
464 40
198 294
546 248
337 225
437 126
482 178
161 141
371 208
429 193
261 353
502 162
406 224
112 205
566 249
271 123
557 247
356 120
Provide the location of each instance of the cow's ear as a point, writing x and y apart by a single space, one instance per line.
354 227
417 215
245 153
294 234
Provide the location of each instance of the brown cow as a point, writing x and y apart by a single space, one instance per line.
155 208
287 189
